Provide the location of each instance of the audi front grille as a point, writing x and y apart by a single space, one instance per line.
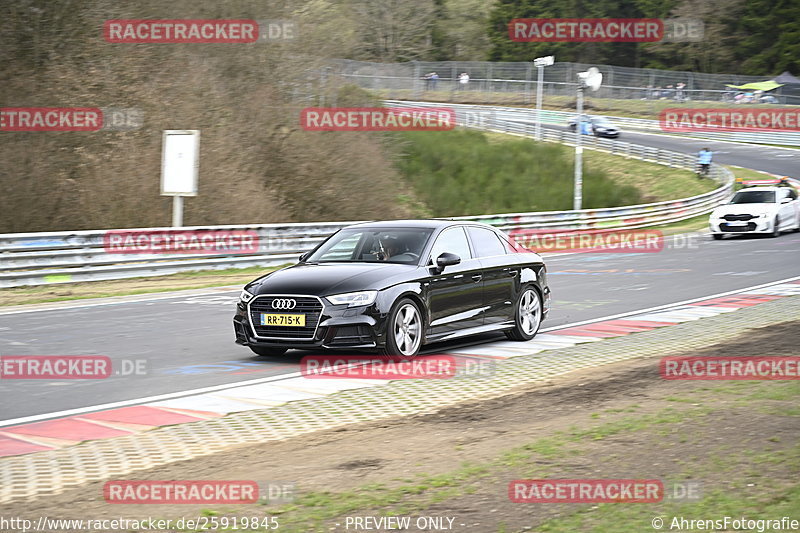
310 306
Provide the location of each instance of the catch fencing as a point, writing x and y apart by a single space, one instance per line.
560 79
635 91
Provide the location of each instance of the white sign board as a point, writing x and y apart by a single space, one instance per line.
544 61
179 162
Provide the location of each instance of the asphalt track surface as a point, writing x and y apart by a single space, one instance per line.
187 342
183 343
775 160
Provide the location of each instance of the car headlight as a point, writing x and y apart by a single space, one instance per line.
353 299
245 296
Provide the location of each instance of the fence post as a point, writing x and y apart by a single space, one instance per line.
453 81
528 72
417 78
489 84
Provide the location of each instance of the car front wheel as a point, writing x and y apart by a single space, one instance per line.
528 316
404 330
717 236
776 232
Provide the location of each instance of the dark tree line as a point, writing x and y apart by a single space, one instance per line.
758 37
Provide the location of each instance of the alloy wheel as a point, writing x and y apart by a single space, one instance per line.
407 329
529 312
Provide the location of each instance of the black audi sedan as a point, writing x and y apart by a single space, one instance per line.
395 286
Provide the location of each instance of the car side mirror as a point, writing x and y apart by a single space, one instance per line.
304 256
786 200
446 259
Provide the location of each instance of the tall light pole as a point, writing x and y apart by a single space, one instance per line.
592 79
577 197
540 63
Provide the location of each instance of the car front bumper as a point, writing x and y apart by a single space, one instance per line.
608 134
339 326
756 225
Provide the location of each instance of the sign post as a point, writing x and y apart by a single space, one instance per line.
540 63
180 159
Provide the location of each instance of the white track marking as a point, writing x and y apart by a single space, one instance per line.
227 386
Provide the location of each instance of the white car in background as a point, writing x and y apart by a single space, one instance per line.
766 210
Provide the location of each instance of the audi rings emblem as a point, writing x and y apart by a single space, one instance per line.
284 303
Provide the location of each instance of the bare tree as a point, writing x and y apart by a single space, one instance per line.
394 30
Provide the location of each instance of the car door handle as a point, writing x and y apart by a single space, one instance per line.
477 277
511 272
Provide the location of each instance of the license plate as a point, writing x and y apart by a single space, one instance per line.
283 320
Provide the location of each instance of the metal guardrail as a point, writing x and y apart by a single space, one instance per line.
72 256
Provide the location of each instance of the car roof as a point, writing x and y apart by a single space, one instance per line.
760 188
430 223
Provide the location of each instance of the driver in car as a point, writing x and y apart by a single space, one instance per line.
388 247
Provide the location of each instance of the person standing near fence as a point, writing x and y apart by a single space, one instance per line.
679 92
704 157
463 80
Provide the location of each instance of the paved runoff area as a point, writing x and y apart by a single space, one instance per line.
49 457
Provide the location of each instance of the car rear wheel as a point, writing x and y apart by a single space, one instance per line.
268 351
717 236
528 316
404 330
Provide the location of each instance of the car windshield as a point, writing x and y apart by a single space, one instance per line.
373 245
602 120
754 197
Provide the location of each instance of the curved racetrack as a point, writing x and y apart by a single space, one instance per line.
187 341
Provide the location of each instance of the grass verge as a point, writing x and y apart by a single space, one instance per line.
633 108
727 471
467 172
